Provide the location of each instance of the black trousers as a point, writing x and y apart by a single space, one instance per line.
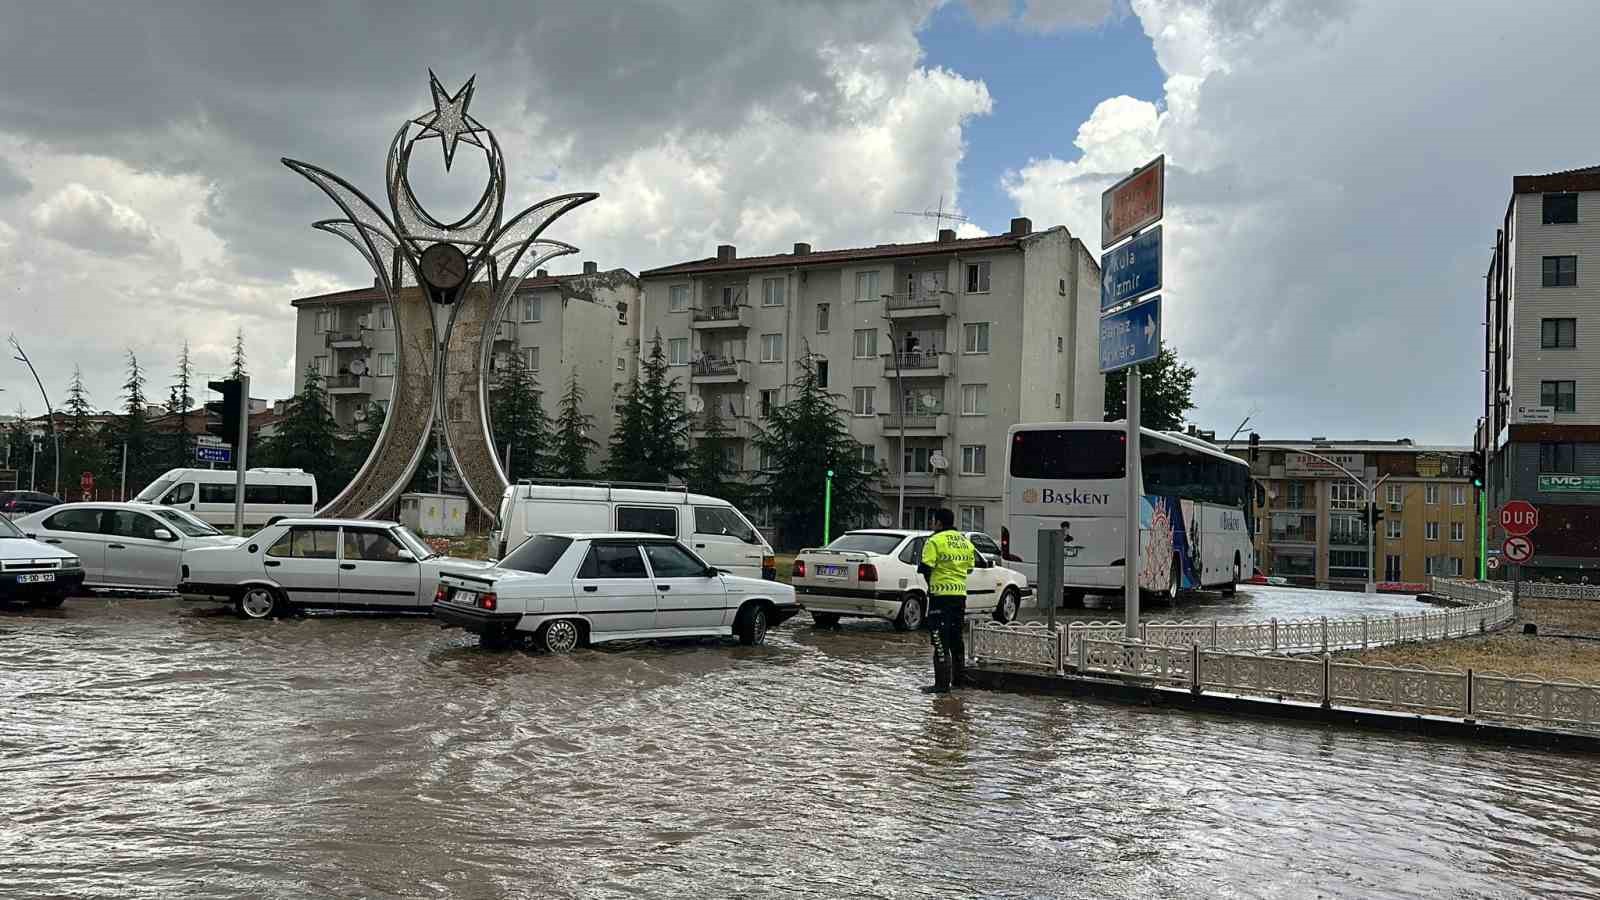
946 616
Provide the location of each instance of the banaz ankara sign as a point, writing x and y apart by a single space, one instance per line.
1072 497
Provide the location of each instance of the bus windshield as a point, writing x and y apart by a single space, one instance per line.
1064 453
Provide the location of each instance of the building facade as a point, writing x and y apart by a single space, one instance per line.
935 348
1310 517
1540 430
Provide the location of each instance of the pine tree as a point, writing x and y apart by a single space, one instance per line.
238 370
357 446
80 442
180 399
710 470
572 446
802 440
518 420
307 438
651 443
131 439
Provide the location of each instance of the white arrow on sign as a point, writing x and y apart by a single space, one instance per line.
1149 327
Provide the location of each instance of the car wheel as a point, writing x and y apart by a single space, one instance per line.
1173 581
1072 599
259 603
1232 587
751 625
825 620
560 636
54 601
1010 604
912 613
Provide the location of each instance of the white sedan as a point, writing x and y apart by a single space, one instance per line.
321 563
872 573
124 546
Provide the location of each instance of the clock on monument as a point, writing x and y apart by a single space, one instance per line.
443 266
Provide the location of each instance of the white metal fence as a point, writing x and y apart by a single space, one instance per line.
1553 590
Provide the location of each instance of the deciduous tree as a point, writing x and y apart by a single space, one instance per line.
1165 390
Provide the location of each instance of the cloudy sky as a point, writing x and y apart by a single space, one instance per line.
1336 167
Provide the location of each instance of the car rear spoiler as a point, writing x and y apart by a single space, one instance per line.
858 555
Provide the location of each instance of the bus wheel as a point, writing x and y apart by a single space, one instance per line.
1232 587
1072 599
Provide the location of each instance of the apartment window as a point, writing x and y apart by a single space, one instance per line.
1058 400
530 356
1563 395
1455 565
866 285
1391 568
1393 526
385 318
1557 459
822 318
1560 209
917 460
861 401
1058 345
324 367
385 363
866 343
769 399
324 320
1558 333
1346 495
1458 495
622 364
678 298
1432 565
978 278
972 518
975 337
1430 494
869 456
772 292
974 399
1458 531
974 459
1297 495
1431 531
771 348
822 373
1560 271
1393 491
678 351
532 309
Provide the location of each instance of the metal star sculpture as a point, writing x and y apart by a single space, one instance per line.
441 367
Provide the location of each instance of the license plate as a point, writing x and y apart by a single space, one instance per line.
41 578
831 571
465 598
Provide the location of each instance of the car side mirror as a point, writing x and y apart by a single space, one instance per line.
406 556
712 572
32 535
252 548
161 534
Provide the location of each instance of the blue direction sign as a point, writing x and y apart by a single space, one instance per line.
1131 336
214 454
1131 269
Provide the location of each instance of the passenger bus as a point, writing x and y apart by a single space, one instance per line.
1195 524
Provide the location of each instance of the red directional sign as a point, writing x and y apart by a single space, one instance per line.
1133 202
1519 517
1518 549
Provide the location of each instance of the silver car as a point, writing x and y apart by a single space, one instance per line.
124 546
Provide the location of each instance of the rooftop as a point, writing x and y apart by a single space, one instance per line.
1585 179
373 294
1403 445
810 257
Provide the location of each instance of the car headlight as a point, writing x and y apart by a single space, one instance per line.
72 562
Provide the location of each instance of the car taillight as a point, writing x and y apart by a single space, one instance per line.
799 569
769 562
866 572
440 594
488 601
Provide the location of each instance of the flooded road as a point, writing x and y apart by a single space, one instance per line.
152 749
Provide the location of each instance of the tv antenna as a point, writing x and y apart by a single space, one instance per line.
937 215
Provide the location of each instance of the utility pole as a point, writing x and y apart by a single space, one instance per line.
900 404
49 411
1131 532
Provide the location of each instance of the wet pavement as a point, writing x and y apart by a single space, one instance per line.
153 749
1250 604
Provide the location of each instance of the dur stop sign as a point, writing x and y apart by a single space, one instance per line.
1519 517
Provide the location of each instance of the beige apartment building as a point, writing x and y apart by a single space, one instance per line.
934 348
559 324
1310 517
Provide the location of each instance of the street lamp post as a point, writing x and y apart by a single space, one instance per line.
900 405
49 411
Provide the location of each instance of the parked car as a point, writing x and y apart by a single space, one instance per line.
20 503
269 494
319 563
710 526
986 545
124 545
32 571
585 588
872 573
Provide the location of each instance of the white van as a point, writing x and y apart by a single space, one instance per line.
717 531
269 494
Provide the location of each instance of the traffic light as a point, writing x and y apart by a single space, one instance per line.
1255 447
223 416
1374 515
1477 468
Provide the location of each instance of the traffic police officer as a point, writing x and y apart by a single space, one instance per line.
947 557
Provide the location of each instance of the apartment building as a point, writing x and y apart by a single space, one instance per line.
1540 429
1310 523
559 324
935 349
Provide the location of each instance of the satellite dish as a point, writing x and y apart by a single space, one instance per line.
697 404
937 461
929 401
358 367
360 414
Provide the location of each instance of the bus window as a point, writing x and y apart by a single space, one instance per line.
1068 454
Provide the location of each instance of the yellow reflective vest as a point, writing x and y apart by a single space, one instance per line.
950 555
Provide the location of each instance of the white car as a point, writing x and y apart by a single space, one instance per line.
570 589
322 563
33 571
872 573
124 546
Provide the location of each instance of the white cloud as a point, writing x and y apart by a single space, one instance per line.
90 220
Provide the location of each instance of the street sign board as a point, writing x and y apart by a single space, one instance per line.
1131 336
1133 202
214 454
1131 269
1534 415
1494 562
1519 549
1587 484
1519 517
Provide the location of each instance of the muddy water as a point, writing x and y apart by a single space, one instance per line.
149 749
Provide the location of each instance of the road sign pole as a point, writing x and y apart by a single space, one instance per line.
241 459
1135 492
1483 534
827 507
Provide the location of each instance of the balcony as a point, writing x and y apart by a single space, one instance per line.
719 370
919 304
348 384
917 364
345 340
923 423
718 316
735 427
1292 529
505 332
918 484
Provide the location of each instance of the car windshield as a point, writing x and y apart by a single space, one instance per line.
867 542
156 490
186 523
8 530
416 545
538 554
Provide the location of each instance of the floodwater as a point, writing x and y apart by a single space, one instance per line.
1251 604
153 749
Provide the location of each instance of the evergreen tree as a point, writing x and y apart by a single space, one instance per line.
518 420
1166 387
306 437
180 399
802 440
651 442
710 470
130 438
80 442
238 369
572 446
357 445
